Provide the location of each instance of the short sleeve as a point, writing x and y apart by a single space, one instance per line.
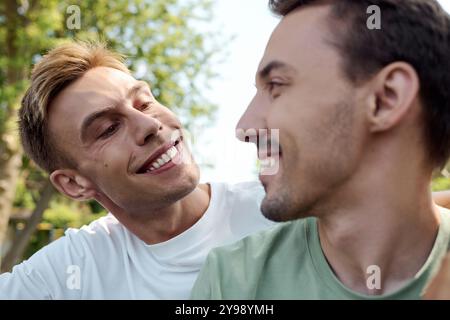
23 282
43 276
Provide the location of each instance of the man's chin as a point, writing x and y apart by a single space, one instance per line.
185 184
273 207
179 188
280 206
172 194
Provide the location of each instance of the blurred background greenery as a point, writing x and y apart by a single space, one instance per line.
166 43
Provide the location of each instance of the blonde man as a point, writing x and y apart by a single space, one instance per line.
101 135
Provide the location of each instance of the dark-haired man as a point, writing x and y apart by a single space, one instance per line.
363 118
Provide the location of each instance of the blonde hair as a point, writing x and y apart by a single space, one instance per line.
52 74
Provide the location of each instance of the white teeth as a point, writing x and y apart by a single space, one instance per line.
172 152
165 157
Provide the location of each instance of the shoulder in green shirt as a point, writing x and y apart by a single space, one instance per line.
287 262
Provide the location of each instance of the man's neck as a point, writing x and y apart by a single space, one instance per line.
171 220
383 218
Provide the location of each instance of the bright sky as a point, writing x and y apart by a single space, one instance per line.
251 23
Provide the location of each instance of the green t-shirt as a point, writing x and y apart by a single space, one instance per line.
287 262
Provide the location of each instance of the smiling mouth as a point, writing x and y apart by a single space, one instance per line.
272 150
161 158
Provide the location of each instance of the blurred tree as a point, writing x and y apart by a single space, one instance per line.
440 184
168 43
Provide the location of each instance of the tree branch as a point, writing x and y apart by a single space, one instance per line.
18 248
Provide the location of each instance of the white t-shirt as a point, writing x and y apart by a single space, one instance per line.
106 261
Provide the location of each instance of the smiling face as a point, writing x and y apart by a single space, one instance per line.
126 145
302 92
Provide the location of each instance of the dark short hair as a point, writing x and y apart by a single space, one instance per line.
413 31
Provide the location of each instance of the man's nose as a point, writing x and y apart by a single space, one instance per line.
145 127
251 122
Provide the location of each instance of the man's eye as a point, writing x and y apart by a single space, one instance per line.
272 86
146 106
109 131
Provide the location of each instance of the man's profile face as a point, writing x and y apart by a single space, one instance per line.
301 90
115 130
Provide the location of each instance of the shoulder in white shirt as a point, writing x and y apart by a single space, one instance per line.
106 261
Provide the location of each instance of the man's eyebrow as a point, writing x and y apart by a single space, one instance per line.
137 87
90 119
273 65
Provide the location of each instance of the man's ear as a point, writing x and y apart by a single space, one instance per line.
395 89
72 184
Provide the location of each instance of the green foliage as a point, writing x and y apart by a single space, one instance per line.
441 183
69 214
23 197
